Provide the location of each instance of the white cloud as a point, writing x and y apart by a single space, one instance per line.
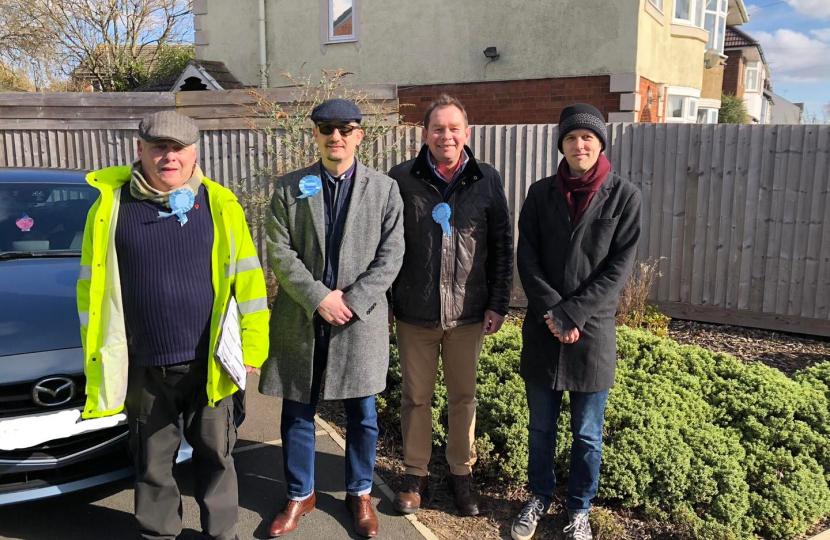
795 57
818 9
823 34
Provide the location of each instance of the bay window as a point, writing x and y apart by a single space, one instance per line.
715 23
689 12
682 105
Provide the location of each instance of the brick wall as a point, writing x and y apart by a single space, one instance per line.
538 101
650 112
344 28
733 75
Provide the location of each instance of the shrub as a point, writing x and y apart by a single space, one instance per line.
732 110
721 449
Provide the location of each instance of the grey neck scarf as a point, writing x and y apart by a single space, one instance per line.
141 189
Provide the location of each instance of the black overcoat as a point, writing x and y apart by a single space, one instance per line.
582 270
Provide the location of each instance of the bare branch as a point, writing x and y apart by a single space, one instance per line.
112 42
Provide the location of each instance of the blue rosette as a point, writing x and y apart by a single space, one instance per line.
310 186
181 201
441 215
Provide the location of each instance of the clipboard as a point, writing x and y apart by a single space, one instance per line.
229 348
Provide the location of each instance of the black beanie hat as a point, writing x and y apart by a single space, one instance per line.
581 116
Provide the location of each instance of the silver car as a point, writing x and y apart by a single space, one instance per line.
42 452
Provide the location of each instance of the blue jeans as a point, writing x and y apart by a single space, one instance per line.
297 430
587 419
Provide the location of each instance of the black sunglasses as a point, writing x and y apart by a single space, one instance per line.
344 129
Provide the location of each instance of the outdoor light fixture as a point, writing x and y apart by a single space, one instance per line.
492 53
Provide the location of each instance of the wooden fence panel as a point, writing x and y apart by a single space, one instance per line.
739 216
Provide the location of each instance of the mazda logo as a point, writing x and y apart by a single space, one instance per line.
53 391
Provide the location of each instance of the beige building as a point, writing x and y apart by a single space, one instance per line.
510 61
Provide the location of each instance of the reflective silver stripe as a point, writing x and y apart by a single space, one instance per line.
85 272
252 306
242 265
248 263
84 317
230 270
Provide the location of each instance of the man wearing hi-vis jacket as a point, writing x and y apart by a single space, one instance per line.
164 250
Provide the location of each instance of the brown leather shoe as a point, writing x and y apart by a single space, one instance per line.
365 520
467 499
287 520
416 489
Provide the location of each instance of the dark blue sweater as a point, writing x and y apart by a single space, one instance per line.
166 282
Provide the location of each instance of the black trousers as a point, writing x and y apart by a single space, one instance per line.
156 396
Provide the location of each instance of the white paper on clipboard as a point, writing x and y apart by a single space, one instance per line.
229 348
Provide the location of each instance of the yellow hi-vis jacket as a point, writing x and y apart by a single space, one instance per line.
234 267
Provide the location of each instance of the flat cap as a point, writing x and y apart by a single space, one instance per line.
168 126
336 110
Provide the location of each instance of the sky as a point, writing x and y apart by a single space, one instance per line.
795 37
342 5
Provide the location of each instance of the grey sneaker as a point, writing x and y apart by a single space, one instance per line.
579 529
524 526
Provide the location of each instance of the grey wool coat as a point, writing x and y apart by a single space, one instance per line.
371 254
580 270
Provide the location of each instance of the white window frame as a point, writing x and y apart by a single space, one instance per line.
690 104
696 7
328 23
711 115
688 112
657 3
753 74
716 36
710 107
669 117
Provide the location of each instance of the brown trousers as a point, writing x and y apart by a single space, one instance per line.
459 349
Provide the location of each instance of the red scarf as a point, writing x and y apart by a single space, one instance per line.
579 191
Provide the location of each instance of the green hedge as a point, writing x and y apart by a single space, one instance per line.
722 449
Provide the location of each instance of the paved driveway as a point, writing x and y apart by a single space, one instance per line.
106 512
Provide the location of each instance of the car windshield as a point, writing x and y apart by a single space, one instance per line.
43 219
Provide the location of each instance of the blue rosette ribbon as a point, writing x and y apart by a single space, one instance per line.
310 186
441 215
181 201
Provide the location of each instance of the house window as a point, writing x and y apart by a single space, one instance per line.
681 106
691 109
714 22
657 3
674 107
689 12
752 75
341 21
706 115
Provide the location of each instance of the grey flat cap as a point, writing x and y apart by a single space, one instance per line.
336 110
168 126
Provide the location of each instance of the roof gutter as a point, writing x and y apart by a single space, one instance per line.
742 10
263 55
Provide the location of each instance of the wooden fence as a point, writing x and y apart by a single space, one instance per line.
739 216
223 109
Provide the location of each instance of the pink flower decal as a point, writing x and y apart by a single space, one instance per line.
25 223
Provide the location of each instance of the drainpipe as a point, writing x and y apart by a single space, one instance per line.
263 56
